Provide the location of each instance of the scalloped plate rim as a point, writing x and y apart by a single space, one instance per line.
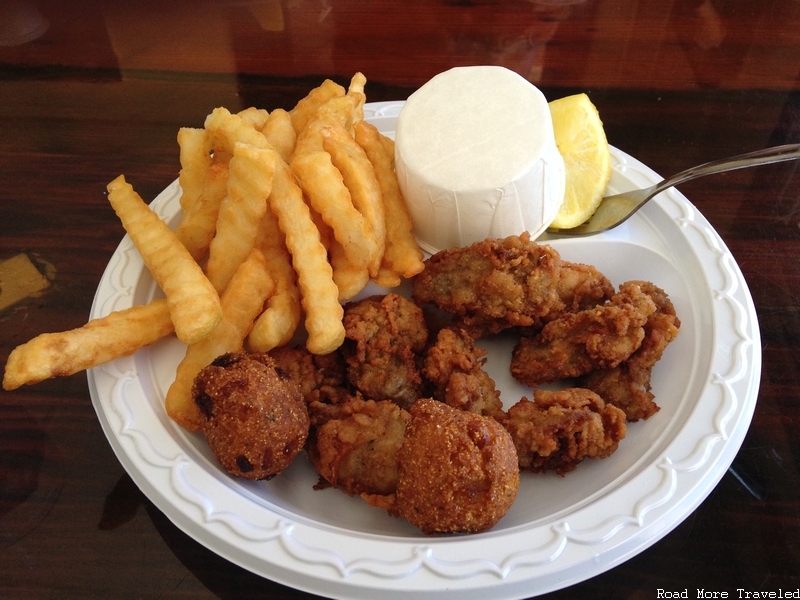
447 567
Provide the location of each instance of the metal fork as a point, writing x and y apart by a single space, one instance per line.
616 209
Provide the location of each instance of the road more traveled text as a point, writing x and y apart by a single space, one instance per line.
739 593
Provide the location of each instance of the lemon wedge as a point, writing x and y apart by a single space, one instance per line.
582 142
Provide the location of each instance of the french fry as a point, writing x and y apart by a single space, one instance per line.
283 312
280 133
118 334
402 254
226 129
356 92
199 222
387 278
323 225
325 231
349 279
195 158
241 211
323 185
194 304
257 117
304 110
388 145
338 111
341 109
365 191
309 257
242 301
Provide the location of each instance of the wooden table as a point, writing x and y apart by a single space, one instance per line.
95 88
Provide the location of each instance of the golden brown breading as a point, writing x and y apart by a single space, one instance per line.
320 376
582 286
385 336
457 471
628 385
356 449
501 283
577 343
559 429
255 418
509 281
454 365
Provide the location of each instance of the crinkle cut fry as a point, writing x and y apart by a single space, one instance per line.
283 312
322 183
195 159
359 177
242 301
320 296
249 184
304 110
280 133
403 255
193 302
199 222
121 333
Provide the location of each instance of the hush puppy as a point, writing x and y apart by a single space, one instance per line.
255 417
458 471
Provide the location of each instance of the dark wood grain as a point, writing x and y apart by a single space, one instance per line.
104 90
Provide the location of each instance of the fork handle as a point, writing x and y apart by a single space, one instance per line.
765 156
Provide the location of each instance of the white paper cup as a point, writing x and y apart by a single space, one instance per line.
476 158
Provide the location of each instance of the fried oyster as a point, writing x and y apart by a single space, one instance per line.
559 429
354 445
454 367
512 282
385 336
627 386
577 343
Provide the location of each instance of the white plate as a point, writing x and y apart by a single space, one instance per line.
560 531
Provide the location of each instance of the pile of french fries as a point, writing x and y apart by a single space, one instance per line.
285 215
